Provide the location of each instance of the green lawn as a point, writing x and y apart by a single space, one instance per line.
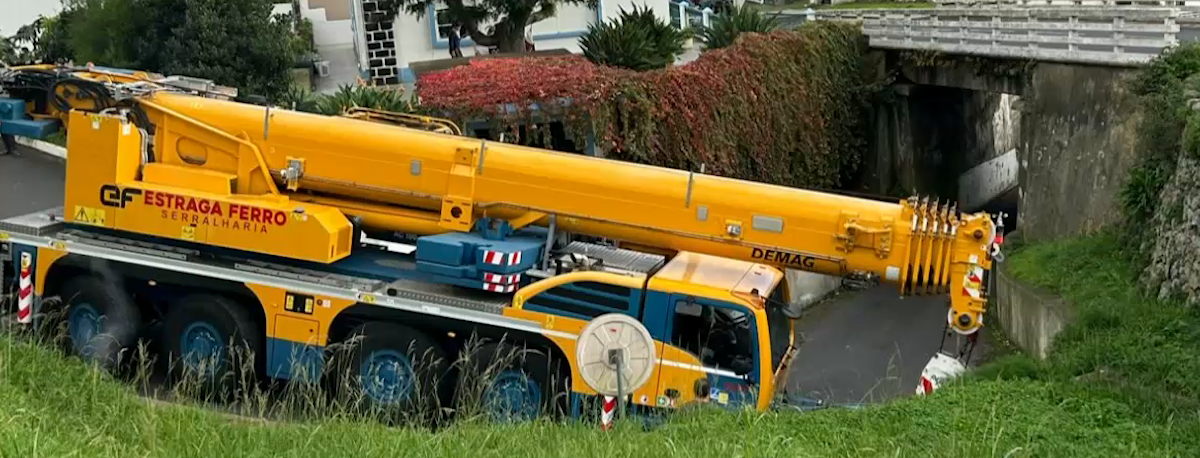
1144 405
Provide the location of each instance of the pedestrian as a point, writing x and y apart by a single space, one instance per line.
456 41
10 144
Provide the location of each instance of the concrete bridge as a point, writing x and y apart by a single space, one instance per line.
1100 32
1013 104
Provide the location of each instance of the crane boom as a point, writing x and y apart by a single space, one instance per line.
423 183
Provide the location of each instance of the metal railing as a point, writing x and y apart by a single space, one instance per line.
1115 36
686 15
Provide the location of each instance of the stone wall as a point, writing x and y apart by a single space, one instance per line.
1078 130
1174 269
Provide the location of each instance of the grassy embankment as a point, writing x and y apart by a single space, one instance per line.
1121 383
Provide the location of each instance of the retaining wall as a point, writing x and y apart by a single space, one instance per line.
1030 316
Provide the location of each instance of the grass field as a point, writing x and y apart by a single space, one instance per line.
1142 404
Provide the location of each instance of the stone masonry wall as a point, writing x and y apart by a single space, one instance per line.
1174 269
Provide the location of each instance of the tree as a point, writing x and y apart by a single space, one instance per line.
636 40
42 41
8 52
102 31
232 42
726 28
506 20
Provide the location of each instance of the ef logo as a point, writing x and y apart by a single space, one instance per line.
112 196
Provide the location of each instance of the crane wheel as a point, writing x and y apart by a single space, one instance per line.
213 340
101 320
393 370
509 382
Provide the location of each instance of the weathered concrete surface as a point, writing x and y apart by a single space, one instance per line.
964 73
1174 269
808 288
1030 317
986 181
1078 138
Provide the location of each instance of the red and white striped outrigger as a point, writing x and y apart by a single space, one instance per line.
25 290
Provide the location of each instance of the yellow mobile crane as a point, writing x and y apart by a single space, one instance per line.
288 232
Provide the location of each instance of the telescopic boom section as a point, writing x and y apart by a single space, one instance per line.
421 183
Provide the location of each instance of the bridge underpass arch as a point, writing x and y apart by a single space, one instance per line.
1070 69
949 128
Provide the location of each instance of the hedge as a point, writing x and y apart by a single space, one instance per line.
785 107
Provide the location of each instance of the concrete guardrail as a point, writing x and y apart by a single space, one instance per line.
1111 36
1068 3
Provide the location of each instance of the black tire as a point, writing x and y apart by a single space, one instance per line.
379 354
102 321
538 383
212 339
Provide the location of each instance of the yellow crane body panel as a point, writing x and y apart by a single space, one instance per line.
187 203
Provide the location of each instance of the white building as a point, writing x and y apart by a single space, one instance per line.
357 41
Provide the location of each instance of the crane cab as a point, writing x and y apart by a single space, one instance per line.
722 331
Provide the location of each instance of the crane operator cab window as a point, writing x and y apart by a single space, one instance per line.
721 337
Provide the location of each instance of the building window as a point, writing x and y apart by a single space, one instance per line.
443 22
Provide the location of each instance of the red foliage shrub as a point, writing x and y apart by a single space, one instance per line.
784 107
486 85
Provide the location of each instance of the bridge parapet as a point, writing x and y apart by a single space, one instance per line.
1067 3
1127 35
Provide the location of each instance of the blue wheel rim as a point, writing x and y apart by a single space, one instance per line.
83 325
513 396
203 348
387 377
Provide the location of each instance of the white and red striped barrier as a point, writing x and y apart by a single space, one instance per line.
25 293
498 288
500 258
606 415
501 279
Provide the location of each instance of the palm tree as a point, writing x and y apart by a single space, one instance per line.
724 29
637 40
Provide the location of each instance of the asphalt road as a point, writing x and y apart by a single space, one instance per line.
860 346
29 181
870 345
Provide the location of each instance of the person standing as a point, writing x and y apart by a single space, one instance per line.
456 41
10 144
